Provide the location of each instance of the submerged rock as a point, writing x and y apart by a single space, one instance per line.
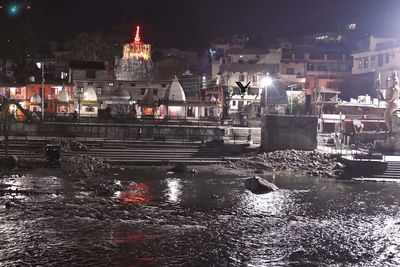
9 162
258 185
178 168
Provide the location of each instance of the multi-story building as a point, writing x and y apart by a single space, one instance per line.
382 56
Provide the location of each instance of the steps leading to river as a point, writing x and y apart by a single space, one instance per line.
391 174
128 153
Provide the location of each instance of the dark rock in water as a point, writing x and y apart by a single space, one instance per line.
8 205
297 255
9 162
258 185
178 168
338 166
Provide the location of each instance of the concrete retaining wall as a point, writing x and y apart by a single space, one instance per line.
280 132
118 131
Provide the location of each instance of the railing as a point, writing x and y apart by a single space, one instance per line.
141 131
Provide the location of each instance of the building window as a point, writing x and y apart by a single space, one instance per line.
155 92
360 64
373 60
223 61
387 58
163 85
80 89
142 91
255 78
241 77
310 66
89 83
240 61
99 90
91 74
332 85
53 91
325 68
233 103
17 91
290 71
380 60
366 63
133 84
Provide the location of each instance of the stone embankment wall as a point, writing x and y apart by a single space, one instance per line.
117 131
289 132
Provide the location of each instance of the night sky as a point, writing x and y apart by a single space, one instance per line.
194 23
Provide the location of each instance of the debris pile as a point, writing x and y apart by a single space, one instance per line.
81 166
307 162
72 145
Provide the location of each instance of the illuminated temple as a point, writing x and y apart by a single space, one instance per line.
135 64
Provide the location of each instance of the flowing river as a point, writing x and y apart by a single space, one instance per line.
206 219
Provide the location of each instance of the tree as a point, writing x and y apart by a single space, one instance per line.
89 46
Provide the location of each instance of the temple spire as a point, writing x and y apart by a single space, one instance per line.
137 36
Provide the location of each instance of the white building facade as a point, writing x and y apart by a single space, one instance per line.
382 57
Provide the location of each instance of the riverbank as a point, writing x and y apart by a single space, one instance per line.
97 176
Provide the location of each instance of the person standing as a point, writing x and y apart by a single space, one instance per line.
391 97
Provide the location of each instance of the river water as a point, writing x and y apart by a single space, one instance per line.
208 219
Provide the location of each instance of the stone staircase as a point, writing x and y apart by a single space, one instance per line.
391 174
392 171
135 153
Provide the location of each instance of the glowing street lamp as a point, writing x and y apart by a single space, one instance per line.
265 83
40 65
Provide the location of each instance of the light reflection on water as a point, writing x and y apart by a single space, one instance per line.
202 220
134 194
173 190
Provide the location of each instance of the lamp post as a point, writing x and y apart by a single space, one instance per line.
266 81
40 65
80 93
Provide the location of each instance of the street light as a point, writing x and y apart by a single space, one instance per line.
265 83
40 65
80 93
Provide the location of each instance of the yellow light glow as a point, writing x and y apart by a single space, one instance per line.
137 49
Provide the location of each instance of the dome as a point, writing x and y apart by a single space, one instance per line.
35 99
63 97
120 95
90 95
175 91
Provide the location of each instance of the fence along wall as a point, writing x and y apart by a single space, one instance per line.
118 131
288 132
